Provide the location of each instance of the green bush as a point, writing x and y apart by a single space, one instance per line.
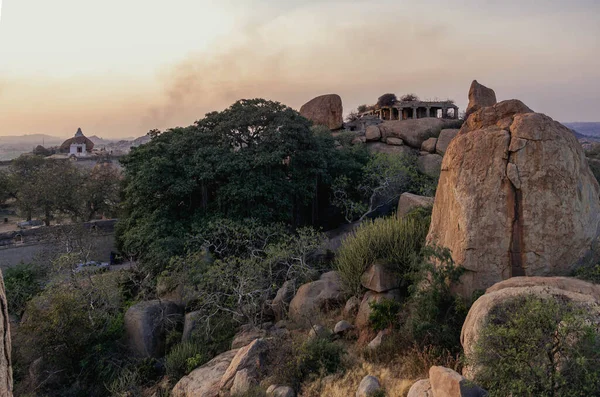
395 242
533 346
435 314
184 358
384 314
22 282
313 358
591 274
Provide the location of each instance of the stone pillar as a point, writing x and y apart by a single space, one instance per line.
428 111
414 113
444 113
456 113
400 113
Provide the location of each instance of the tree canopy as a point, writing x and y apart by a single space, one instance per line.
256 159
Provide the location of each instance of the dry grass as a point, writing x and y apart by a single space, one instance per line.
345 385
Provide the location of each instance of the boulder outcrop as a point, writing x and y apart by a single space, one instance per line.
430 164
316 296
379 278
429 145
205 380
421 388
448 383
325 110
249 358
515 198
409 202
446 136
563 289
147 323
479 97
368 386
413 132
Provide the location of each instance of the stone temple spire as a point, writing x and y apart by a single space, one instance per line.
79 132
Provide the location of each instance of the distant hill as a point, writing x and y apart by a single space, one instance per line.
12 147
32 139
585 129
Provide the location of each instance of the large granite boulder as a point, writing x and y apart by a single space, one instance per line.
369 385
515 198
421 388
205 380
446 136
448 383
325 110
429 145
379 277
317 296
479 97
563 289
249 358
192 323
430 164
409 202
147 324
282 299
413 132
280 391
380 147
6 381
372 133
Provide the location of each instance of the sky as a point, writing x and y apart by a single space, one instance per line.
118 68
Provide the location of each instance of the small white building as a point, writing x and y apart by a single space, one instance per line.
78 146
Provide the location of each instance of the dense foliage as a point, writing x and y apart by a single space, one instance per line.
235 267
255 159
533 346
71 334
22 282
387 100
51 189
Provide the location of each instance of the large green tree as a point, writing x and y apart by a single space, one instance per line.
256 159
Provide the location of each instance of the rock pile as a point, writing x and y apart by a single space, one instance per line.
381 283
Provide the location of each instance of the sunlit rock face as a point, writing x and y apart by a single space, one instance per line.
515 198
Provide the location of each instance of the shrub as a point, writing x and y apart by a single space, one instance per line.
184 358
384 314
387 100
313 358
435 314
395 242
22 283
533 346
591 274
362 108
409 98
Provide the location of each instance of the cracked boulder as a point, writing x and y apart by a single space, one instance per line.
515 197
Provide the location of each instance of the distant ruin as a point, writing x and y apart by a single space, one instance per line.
404 110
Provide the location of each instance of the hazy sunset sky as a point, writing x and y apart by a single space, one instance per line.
118 68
